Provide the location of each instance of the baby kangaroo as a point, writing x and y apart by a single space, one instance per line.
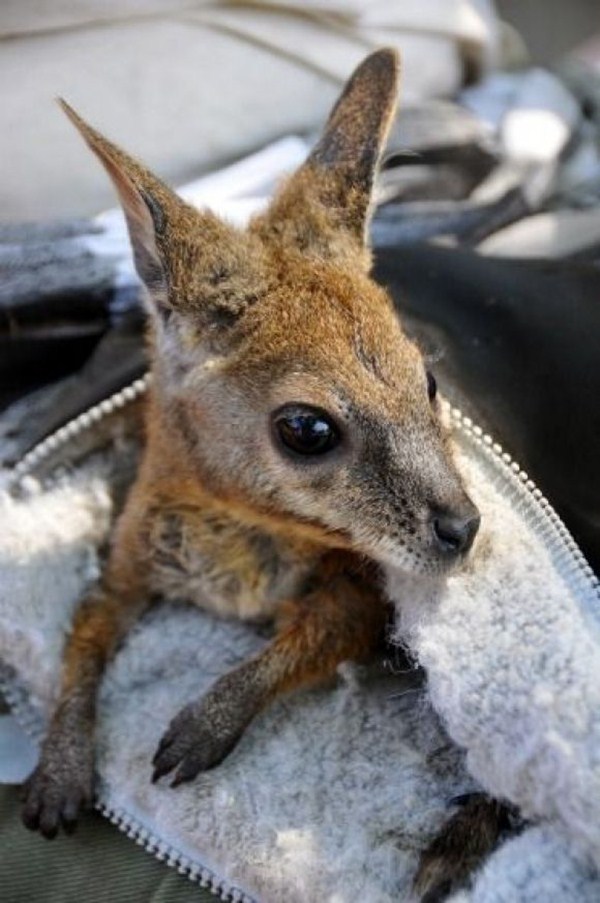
293 445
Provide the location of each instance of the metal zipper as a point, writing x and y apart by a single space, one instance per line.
78 425
29 719
166 853
31 723
535 507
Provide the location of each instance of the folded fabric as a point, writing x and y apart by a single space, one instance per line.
511 647
190 85
332 793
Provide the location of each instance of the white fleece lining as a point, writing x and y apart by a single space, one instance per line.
332 793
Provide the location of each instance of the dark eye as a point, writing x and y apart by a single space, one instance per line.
306 431
431 386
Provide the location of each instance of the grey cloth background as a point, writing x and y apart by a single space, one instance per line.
96 864
189 85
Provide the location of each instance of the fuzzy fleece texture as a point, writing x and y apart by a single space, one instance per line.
511 648
332 793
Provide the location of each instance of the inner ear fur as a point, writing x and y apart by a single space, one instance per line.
150 207
325 206
190 261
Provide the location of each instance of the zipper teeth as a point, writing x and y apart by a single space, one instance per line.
31 722
56 440
540 513
166 853
567 554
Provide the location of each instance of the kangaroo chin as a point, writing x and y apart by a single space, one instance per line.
293 444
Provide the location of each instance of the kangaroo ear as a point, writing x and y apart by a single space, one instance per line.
191 261
358 125
149 207
329 197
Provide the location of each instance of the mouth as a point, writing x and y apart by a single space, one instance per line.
430 559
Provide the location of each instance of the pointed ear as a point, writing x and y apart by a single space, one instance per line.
329 197
149 206
358 125
191 261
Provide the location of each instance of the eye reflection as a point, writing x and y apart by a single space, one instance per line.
305 431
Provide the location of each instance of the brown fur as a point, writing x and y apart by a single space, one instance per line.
241 323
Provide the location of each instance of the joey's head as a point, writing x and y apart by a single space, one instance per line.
280 368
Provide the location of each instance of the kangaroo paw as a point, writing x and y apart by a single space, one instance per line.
60 786
460 848
206 731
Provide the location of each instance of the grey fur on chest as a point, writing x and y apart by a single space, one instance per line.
213 562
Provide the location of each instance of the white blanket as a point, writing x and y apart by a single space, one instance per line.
332 793
511 647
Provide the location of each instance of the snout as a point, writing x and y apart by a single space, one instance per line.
454 529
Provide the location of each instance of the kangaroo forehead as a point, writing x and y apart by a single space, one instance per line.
320 334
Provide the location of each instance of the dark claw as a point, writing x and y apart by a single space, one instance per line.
60 786
70 811
49 820
437 894
166 760
192 752
165 742
159 772
159 755
46 811
31 815
191 745
206 731
48 828
179 779
187 771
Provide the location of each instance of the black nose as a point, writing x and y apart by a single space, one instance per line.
453 532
